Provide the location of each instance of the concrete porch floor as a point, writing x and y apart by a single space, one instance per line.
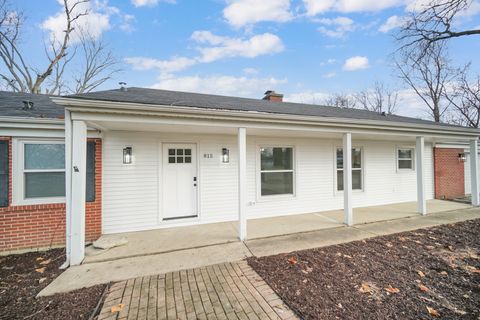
182 238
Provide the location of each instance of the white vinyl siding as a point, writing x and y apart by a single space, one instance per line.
131 193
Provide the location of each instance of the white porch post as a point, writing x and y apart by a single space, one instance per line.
474 171
77 193
242 183
420 167
347 178
68 185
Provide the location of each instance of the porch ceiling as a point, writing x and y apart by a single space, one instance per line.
202 129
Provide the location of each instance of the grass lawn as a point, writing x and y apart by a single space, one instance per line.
424 274
23 276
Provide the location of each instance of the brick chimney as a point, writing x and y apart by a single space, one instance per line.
271 95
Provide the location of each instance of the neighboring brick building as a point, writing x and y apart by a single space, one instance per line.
449 173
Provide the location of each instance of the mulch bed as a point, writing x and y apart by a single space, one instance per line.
23 276
430 273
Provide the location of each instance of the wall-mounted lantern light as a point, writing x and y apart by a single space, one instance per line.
461 157
225 155
127 155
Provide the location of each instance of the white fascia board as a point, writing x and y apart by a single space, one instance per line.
109 107
37 127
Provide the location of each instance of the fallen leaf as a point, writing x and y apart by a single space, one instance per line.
39 259
41 280
421 274
423 288
297 292
40 270
392 289
117 308
472 269
450 248
305 280
365 288
433 312
292 260
417 241
430 247
45 262
403 239
445 273
347 256
388 244
307 270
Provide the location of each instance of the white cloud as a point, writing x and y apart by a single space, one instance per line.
392 23
250 71
329 75
356 63
95 23
240 13
224 47
337 27
220 48
314 7
309 97
220 84
164 66
149 3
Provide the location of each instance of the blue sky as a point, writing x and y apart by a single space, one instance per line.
303 49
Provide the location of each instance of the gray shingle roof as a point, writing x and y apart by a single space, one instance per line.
11 105
208 101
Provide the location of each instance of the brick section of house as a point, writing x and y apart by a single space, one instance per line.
31 227
449 173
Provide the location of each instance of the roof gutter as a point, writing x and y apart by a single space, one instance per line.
138 108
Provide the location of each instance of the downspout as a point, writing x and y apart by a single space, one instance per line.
68 186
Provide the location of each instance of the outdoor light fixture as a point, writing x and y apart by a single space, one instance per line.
127 155
225 155
461 157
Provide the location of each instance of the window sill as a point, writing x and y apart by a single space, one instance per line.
38 201
271 198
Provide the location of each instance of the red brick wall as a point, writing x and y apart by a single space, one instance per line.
449 174
29 227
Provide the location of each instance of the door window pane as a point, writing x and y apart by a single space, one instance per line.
179 159
179 152
273 158
44 156
171 152
188 152
276 183
171 159
188 159
44 184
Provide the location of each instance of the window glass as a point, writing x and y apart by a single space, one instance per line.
273 158
275 183
405 164
44 156
356 168
405 153
171 152
276 171
44 184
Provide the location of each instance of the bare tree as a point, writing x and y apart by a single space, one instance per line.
378 99
434 22
18 75
428 77
98 65
464 99
341 100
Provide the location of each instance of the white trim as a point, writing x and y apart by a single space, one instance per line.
242 183
258 174
347 178
18 178
420 167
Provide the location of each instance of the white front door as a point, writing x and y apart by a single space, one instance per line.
179 181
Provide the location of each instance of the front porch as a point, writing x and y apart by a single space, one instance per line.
182 238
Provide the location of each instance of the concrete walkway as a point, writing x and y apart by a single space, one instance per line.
174 239
222 291
117 270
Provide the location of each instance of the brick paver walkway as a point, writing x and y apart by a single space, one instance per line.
223 291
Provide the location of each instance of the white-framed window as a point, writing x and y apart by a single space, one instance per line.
405 157
357 168
40 171
277 174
